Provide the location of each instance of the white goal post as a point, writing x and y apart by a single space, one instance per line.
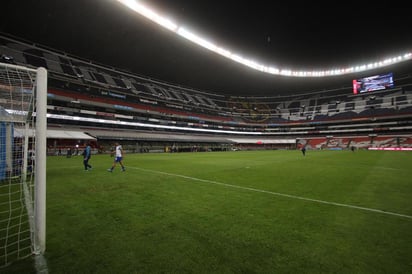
23 149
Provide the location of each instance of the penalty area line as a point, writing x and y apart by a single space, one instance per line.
276 193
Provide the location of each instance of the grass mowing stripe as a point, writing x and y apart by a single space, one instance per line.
276 193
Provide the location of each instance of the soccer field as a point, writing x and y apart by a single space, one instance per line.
230 212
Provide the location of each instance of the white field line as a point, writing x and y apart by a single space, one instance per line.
274 193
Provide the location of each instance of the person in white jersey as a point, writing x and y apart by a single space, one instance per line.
118 158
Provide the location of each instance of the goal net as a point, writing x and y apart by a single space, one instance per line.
23 126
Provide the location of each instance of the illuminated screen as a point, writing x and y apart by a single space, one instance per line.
376 82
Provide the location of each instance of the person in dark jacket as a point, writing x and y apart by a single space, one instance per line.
87 153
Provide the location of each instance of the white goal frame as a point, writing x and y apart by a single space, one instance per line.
35 198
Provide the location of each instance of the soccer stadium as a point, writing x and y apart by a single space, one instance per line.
232 164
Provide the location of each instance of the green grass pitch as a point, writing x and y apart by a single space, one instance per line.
230 212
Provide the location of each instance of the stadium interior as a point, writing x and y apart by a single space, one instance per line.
99 103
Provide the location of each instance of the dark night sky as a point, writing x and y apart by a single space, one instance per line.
300 36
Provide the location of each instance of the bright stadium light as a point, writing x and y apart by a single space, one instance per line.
149 14
196 39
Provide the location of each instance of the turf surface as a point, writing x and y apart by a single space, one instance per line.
230 212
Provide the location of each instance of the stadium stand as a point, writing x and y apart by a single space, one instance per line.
107 104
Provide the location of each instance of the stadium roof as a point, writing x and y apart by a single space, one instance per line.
291 35
56 134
